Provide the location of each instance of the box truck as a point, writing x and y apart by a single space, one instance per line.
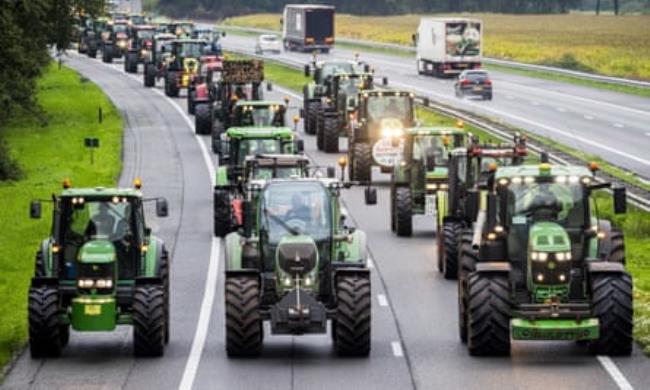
308 27
447 46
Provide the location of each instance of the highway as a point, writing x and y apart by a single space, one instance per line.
608 124
414 323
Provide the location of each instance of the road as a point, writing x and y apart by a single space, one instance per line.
608 124
414 328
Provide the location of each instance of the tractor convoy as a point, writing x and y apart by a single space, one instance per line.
532 257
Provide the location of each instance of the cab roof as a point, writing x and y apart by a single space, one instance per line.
537 170
260 132
387 92
430 130
189 40
259 103
270 160
101 191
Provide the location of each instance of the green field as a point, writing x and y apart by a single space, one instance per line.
616 46
635 224
47 153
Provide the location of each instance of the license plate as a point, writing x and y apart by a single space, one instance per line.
92 310
478 89
430 205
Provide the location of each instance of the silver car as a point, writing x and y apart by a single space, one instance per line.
268 43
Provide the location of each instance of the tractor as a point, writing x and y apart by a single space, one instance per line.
199 90
315 90
239 143
377 129
92 38
100 267
297 265
183 65
182 30
543 265
115 45
419 181
468 171
158 59
140 46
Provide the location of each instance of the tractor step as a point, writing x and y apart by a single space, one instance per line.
555 329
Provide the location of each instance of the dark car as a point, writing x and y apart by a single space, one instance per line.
474 83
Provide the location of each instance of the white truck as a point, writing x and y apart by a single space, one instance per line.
447 46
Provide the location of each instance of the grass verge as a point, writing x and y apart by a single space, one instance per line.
47 153
635 224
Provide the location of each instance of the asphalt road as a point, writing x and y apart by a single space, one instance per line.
414 328
608 124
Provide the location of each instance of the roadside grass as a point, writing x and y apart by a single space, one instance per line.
47 153
610 45
635 223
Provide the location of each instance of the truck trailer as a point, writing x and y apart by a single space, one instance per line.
308 27
447 46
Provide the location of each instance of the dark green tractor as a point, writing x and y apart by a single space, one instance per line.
297 265
315 89
140 47
543 265
239 144
93 37
157 60
419 181
377 129
100 267
183 64
338 107
468 172
115 44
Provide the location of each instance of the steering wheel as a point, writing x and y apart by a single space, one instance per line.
297 224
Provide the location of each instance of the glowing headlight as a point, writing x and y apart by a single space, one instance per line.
287 281
432 186
121 44
144 52
539 256
308 281
85 283
391 132
104 283
563 256
444 186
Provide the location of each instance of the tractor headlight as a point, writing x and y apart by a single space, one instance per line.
539 256
308 281
563 256
432 186
104 283
444 186
390 132
85 283
287 281
144 52
121 44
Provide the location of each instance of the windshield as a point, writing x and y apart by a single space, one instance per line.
476 76
190 49
262 116
561 202
295 208
380 107
138 19
167 44
424 146
145 34
184 29
119 28
266 173
350 85
253 147
329 69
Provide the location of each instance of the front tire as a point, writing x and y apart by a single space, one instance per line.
361 162
403 212
244 332
353 314
611 300
45 339
202 118
451 231
311 113
331 135
468 257
171 85
222 213
149 321
107 54
488 307
149 75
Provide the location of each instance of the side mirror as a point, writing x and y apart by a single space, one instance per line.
147 231
331 172
299 145
472 203
307 70
620 200
162 209
35 209
269 87
366 68
370 195
384 81
223 34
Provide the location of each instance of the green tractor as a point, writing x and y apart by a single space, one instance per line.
419 181
157 59
115 41
183 64
542 265
140 46
376 131
338 107
101 267
469 169
315 89
297 265
240 143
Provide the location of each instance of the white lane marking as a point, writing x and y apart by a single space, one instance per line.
560 109
616 374
619 125
201 332
370 263
588 117
397 349
381 298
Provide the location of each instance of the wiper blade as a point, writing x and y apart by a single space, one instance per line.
277 219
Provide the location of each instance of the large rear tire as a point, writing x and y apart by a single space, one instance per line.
191 107
451 232
149 321
244 332
468 257
217 130
311 113
331 134
320 122
403 212
361 162
617 250
44 326
164 275
149 75
107 54
611 301
488 307
131 63
353 315
202 118
222 213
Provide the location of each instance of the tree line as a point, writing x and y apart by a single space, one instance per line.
226 8
29 28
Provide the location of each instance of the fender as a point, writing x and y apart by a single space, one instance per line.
603 246
233 252
494 267
222 176
355 252
605 267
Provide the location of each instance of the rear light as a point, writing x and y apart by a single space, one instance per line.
477 66
329 40
487 82
309 40
466 82
446 66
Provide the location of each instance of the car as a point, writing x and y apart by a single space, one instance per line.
268 42
474 83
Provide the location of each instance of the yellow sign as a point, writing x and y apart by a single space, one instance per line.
92 310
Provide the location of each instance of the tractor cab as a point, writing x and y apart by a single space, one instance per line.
259 113
138 19
182 29
342 90
183 65
240 142
322 70
275 166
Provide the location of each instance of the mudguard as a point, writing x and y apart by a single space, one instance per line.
233 252
602 267
222 177
494 267
354 252
46 253
151 264
601 247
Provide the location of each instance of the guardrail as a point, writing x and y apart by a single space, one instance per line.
494 61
